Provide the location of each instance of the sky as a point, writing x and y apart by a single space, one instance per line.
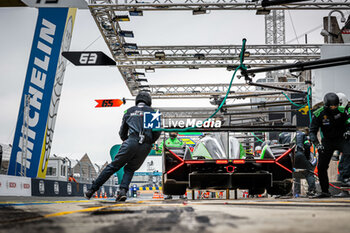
80 127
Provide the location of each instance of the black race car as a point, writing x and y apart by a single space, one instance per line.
211 166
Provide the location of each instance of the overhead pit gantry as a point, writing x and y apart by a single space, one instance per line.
131 58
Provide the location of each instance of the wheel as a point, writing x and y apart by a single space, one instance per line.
280 187
256 191
173 189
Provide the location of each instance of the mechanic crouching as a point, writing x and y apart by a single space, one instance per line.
302 161
334 123
137 143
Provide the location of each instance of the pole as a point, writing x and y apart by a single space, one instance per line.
69 167
89 169
0 157
25 136
80 171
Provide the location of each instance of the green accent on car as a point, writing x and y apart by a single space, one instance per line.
263 152
201 150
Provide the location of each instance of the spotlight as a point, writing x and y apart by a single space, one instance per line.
132 53
141 80
149 70
143 86
230 68
130 45
145 90
199 11
121 18
262 11
126 34
139 74
199 56
159 55
136 13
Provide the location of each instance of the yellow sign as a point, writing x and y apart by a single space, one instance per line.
304 110
188 141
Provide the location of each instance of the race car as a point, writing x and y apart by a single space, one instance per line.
218 163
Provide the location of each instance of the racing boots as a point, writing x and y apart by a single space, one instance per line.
346 182
311 194
121 195
168 197
322 195
88 194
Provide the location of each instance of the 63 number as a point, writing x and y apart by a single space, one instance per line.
88 58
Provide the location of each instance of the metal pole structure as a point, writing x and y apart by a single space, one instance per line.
303 65
69 167
99 169
253 95
329 29
266 103
80 170
0 157
25 135
89 170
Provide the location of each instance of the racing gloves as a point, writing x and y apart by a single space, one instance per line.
347 135
320 148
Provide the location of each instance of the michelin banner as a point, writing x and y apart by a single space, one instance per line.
43 84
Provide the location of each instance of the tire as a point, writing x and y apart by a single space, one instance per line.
280 188
256 191
173 189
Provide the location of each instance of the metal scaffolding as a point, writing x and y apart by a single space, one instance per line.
130 58
207 90
181 5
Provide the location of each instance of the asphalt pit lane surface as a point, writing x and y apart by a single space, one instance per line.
14 220
10 214
159 219
203 219
172 218
90 206
113 211
159 228
188 209
160 210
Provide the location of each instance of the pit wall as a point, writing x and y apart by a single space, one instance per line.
24 186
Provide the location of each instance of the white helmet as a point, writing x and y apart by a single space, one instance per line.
343 101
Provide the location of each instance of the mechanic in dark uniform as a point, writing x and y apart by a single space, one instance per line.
344 164
334 123
302 161
137 143
285 137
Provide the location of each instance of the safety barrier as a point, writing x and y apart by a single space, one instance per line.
42 187
148 188
15 186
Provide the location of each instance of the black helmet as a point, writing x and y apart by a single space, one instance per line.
330 99
144 97
173 135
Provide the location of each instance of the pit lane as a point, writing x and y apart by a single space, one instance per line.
147 215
